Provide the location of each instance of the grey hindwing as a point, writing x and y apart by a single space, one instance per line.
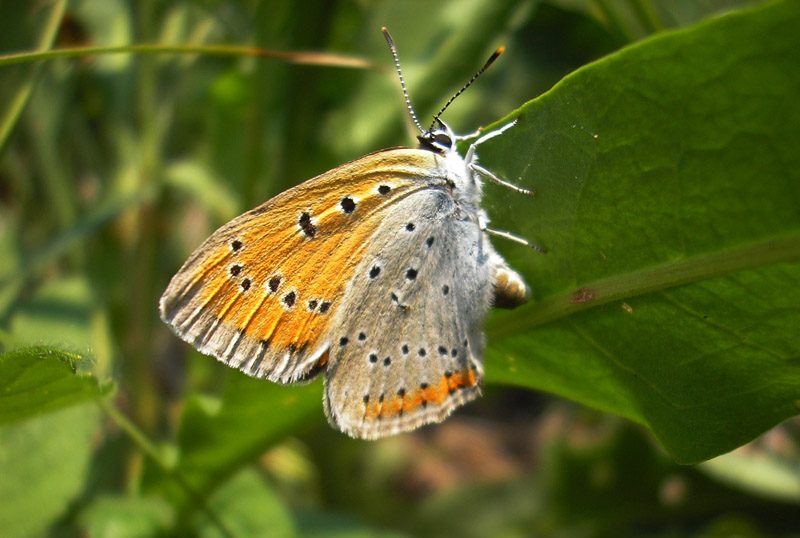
412 313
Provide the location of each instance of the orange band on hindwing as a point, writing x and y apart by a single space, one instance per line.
430 394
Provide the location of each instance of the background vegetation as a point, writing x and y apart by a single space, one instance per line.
664 150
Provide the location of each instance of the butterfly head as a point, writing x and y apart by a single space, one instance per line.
438 138
465 185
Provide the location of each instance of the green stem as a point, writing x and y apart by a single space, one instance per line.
647 15
302 58
20 98
650 279
613 21
141 263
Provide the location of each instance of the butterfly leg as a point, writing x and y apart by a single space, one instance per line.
494 179
474 134
471 160
470 156
489 136
483 224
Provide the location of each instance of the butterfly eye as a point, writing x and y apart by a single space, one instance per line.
443 140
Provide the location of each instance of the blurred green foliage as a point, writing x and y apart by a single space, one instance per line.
668 198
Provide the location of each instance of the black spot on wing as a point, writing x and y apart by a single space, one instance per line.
306 225
348 205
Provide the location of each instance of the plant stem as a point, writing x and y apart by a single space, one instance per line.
647 15
19 100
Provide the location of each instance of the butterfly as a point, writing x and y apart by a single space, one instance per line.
378 274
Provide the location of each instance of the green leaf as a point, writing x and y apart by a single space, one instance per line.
43 464
669 186
248 507
215 441
127 517
35 381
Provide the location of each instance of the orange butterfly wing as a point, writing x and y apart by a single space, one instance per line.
260 293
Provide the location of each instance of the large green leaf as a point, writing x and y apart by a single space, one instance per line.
669 199
45 435
35 381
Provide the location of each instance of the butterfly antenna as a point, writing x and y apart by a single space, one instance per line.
495 55
393 49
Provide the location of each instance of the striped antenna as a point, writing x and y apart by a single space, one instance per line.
495 55
393 49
